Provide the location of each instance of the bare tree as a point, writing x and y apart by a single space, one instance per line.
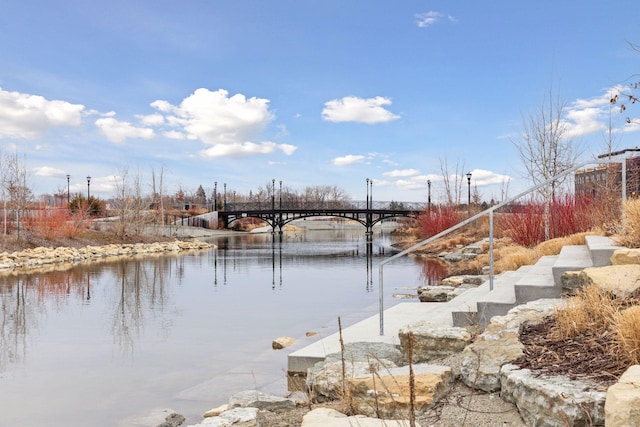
546 150
544 146
452 181
129 203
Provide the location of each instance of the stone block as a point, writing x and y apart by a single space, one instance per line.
386 393
433 340
625 256
622 407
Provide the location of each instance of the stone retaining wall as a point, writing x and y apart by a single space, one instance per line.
43 257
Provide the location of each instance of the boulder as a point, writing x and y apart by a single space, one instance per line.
282 342
456 281
260 400
433 340
500 344
439 293
325 417
385 393
552 401
622 407
625 256
237 417
620 280
215 411
326 382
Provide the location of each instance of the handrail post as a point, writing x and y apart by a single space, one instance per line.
490 250
381 299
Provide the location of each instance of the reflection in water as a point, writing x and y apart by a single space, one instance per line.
433 270
172 321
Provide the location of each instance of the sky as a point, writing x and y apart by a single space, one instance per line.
306 92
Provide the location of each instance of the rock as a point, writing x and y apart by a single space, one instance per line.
325 417
385 393
544 400
439 293
457 281
282 342
433 340
237 417
173 420
365 351
619 280
625 256
622 407
260 400
571 281
311 334
500 344
215 411
326 380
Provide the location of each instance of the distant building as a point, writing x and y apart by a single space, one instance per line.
608 177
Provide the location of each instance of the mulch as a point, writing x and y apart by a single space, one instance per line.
588 356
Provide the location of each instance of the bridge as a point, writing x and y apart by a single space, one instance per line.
367 214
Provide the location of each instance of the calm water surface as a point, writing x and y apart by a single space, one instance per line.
104 344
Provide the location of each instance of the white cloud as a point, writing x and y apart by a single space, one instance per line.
118 131
229 125
481 177
151 119
47 171
27 116
401 173
427 19
354 109
347 160
246 149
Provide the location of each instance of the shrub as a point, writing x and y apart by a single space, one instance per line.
438 219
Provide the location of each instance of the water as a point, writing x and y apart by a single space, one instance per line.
105 343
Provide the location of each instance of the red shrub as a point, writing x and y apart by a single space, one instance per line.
568 214
438 219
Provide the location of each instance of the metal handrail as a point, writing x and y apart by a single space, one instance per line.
489 212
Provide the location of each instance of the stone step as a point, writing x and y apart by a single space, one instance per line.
464 308
538 282
601 249
571 258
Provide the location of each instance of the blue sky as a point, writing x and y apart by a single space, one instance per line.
308 92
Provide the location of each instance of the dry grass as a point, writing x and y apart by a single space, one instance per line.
595 312
631 236
509 257
591 309
626 326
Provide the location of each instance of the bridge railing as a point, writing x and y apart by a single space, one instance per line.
317 205
489 212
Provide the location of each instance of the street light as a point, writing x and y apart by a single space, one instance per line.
224 205
367 193
280 194
429 196
371 194
469 192
273 194
215 196
88 189
68 176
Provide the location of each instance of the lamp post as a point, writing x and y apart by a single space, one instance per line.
280 194
215 196
469 192
429 196
88 189
224 204
371 194
367 193
273 194
68 192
